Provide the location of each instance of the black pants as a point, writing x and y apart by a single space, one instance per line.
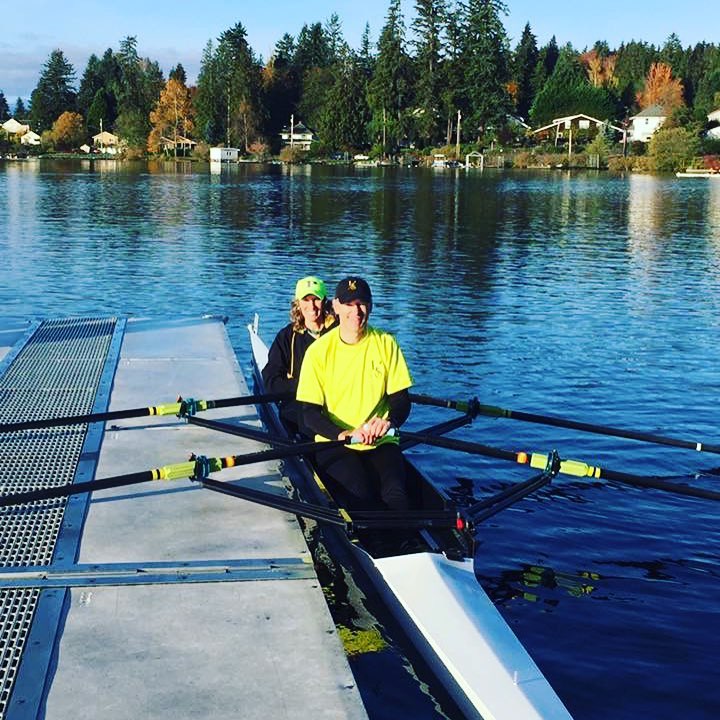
367 478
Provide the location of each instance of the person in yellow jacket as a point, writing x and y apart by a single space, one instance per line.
354 384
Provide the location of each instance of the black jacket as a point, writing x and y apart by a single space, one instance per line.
282 371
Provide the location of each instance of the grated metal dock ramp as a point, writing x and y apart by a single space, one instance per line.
160 599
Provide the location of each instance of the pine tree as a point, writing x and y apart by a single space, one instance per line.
238 76
209 99
427 26
178 73
389 91
524 65
54 93
4 108
20 113
487 69
453 94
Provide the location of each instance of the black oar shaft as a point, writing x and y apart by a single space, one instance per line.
494 411
575 468
177 408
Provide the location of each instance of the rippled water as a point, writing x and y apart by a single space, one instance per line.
578 295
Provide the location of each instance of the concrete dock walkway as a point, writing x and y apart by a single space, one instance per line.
179 603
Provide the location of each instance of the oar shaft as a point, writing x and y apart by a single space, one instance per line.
576 468
176 408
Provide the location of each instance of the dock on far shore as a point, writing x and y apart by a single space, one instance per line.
158 599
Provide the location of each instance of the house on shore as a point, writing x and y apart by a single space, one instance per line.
645 123
224 154
106 142
714 120
297 135
565 129
179 145
13 127
30 138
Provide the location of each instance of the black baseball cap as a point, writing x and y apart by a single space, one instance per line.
353 288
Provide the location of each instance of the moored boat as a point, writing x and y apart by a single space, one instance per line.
432 591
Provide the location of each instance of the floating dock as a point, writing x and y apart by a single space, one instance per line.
159 599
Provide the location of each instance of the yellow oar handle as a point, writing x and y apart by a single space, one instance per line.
188 407
177 471
567 467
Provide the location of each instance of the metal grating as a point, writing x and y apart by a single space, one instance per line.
55 374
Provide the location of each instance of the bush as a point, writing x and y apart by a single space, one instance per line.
292 155
673 148
618 163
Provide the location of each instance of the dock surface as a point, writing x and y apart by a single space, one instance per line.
163 599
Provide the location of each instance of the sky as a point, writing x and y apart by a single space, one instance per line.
177 32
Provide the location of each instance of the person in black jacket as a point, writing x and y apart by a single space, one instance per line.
310 317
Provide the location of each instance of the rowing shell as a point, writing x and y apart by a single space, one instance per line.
435 596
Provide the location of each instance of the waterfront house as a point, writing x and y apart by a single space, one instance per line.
13 127
30 138
563 130
179 145
224 154
106 142
645 123
297 135
714 120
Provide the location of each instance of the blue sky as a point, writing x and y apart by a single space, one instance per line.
172 32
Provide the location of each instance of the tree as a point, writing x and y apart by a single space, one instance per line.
631 67
209 99
525 62
68 131
20 113
4 108
172 116
343 121
312 49
178 73
54 93
337 47
547 59
673 148
427 27
453 95
389 90
238 77
568 92
661 89
487 69
97 113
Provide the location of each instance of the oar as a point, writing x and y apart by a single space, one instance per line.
182 408
576 468
493 411
196 467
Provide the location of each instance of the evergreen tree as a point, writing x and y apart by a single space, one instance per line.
343 121
525 62
210 99
312 49
547 59
337 47
708 86
239 77
4 108
631 68
427 27
389 90
365 54
487 67
20 113
178 73
54 93
453 95
97 114
284 51
568 92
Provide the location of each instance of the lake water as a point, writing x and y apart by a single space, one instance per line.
591 297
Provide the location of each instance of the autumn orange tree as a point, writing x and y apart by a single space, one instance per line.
68 131
661 89
173 115
600 68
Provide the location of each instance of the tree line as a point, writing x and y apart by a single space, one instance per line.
452 76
